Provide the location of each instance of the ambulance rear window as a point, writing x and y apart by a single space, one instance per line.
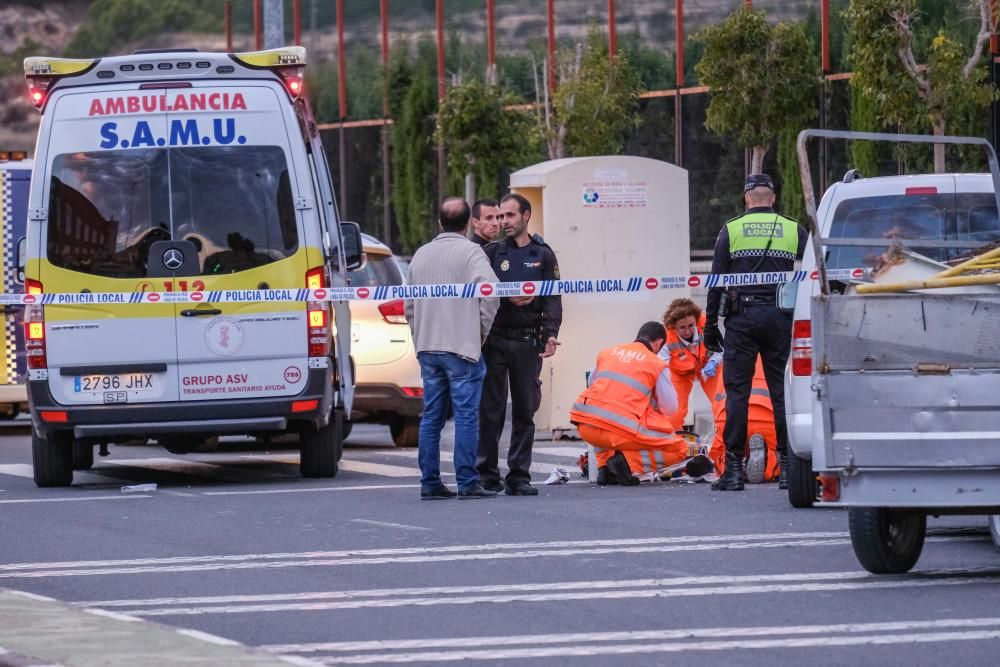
107 208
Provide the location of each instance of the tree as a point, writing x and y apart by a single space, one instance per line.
413 100
484 135
952 90
762 79
596 101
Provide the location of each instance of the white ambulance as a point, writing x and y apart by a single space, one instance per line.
179 171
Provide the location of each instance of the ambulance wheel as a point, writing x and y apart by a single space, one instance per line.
887 541
52 459
405 430
995 529
320 448
801 481
83 456
348 427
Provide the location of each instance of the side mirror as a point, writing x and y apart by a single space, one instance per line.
353 249
22 260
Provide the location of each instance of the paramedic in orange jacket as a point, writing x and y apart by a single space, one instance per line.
690 360
762 463
629 403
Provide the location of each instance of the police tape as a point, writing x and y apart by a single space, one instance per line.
633 284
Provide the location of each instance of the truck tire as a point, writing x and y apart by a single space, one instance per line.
320 449
801 481
885 540
83 456
52 459
995 529
405 431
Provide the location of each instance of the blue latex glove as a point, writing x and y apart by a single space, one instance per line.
710 368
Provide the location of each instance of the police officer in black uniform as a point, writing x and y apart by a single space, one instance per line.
760 240
524 332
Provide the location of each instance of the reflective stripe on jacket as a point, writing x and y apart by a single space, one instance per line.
686 360
620 395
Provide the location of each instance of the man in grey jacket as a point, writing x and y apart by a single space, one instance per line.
448 335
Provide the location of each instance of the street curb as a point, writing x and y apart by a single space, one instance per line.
54 633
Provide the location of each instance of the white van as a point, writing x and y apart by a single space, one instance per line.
940 216
178 171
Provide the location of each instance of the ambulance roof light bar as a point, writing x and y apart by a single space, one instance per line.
288 62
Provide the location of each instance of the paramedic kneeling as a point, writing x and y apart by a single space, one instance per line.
629 403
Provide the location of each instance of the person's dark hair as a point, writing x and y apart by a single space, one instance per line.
477 208
454 216
523 205
651 331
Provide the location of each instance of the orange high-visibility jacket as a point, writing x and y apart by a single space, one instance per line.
684 360
619 398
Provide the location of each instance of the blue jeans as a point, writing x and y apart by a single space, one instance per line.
447 377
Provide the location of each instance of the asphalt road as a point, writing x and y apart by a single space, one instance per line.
358 570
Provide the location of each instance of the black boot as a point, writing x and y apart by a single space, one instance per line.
783 473
732 477
605 478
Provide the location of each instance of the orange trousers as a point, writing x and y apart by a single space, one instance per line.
638 454
684 384
761 420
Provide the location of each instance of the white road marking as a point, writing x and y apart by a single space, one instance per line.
386 524
381 469
70 499
630 636
499 597
113 614
435 554
573 452
312 489
628 649
517 546
206 637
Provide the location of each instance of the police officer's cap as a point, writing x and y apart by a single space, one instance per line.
758 181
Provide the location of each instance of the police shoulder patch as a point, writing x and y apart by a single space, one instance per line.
504 265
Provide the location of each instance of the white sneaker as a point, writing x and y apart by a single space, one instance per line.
756 464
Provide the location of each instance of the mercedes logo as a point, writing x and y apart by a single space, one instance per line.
173 259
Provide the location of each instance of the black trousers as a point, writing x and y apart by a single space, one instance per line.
766 330
514 364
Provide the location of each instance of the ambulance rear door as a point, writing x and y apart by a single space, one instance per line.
234 175
104 203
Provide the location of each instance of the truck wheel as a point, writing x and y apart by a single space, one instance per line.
83 456
405 431
320 448
887 541
995 529
801 481
52 459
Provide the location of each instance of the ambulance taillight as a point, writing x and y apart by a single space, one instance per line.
287 62
41 73
34 329
318 315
